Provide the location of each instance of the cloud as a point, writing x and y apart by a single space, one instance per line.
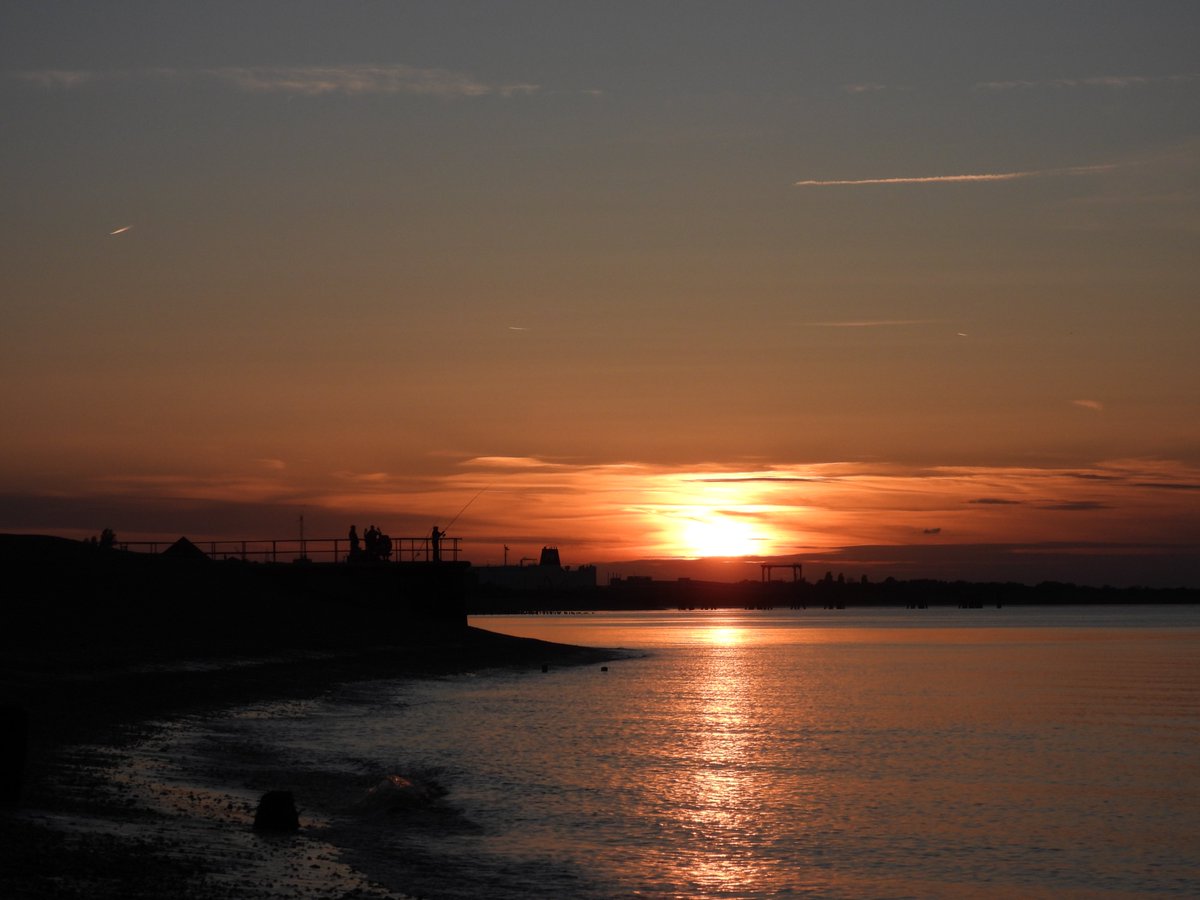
509 462
311 81
931 531
754 479
1120 82
1094 405
58 78
995 501
1075 506
366 478
955 179
363 79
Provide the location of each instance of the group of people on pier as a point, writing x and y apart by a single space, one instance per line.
375 546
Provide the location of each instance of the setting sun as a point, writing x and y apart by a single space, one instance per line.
714 533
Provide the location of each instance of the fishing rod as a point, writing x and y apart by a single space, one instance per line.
464 509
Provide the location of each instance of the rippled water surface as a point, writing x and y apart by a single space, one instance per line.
797 753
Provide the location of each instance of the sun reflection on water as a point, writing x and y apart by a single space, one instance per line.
723 635
717 805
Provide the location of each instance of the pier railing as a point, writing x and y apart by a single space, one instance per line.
325 550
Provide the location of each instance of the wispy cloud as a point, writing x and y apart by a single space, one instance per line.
1167 486
869 87
1094 405
1120 82
364 478
364 79
58 78
509 462
311 81
755 479
872 323
956 179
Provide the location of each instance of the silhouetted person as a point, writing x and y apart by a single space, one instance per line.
435 543
355 549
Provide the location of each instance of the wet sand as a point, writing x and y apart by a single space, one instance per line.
108 809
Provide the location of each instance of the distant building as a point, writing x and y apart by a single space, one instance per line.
548 575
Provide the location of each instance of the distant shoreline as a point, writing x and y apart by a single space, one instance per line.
274 597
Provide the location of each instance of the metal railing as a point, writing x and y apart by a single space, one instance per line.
326 550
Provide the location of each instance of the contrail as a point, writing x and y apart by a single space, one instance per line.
952 179
121 230
872 323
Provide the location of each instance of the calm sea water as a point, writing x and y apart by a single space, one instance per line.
888 753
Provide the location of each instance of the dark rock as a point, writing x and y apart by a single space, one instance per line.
14 748
277 812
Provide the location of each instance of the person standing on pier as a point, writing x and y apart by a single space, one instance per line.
435 543
355 549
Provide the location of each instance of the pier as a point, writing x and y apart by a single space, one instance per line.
322 550
249 593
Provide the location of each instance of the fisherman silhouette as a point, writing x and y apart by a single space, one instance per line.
435 543
355 548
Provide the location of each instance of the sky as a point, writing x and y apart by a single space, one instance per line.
894 288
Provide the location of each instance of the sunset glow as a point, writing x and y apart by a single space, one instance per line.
537 450
672 304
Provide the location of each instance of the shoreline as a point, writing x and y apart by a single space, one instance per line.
73 834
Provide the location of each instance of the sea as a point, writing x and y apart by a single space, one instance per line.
859 753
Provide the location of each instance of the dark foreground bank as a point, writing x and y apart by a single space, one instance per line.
66 835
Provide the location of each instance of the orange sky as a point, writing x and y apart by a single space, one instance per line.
877 519
914 292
